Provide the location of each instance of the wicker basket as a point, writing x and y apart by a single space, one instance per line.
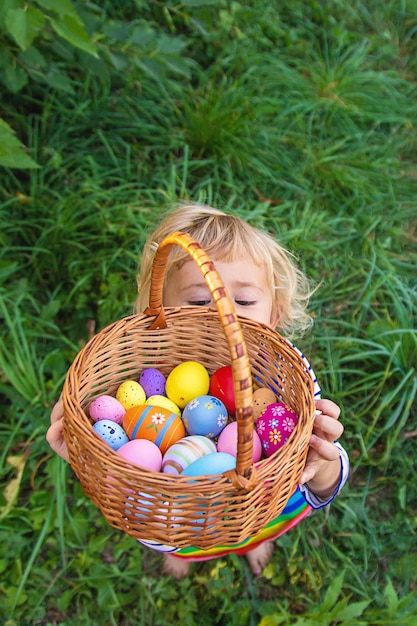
204 511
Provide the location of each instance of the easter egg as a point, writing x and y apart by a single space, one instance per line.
142 452
227 442
187 381
111 432
106 408
222 387
186 451
165 402
215 463
130 394
261 398
275 425
152 382
155 423
205 415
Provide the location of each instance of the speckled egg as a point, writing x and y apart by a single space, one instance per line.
130 394
261 398
153 382
275 426
205 415
187 381
106 408
154 423
186 451
113 434
227 442
165 402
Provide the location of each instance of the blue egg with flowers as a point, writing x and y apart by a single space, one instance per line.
205 415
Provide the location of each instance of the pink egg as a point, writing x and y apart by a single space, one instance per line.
275 426
142 452
227 442
106 408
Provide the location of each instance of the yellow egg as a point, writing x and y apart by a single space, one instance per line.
187 381
130 394
164 402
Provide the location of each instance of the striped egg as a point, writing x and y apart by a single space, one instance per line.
154 423
186 451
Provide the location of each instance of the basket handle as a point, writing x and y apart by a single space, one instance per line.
244 476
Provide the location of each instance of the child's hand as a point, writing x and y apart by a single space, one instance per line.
55 436
322 470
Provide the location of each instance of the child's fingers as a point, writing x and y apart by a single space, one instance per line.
328 407
308 473
55 438
325 449
329 426
57 412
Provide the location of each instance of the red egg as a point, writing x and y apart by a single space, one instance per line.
222 387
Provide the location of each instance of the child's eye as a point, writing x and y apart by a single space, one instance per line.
245 302
199 302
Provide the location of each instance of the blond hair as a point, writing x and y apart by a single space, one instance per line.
227 238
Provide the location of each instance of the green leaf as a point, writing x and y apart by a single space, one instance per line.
72 30
200 3
61 8
272 620
11 490
33 58
143 35
391 597
13 76
333 592
24 25
178 66
58 80
12 151
171 45
5 5
348 614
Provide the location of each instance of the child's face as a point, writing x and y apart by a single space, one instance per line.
246 283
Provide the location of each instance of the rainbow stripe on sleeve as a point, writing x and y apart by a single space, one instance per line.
295 510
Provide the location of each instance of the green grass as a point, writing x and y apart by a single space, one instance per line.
301 118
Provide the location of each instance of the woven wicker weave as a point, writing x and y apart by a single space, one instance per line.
204 511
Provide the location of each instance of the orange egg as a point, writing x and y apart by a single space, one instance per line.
154 423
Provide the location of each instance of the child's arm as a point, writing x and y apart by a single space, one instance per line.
327 465
55 435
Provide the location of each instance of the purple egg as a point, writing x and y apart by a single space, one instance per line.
152 382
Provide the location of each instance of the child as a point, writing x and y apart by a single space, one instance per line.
265 285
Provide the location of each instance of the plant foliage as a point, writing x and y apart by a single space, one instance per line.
300 117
